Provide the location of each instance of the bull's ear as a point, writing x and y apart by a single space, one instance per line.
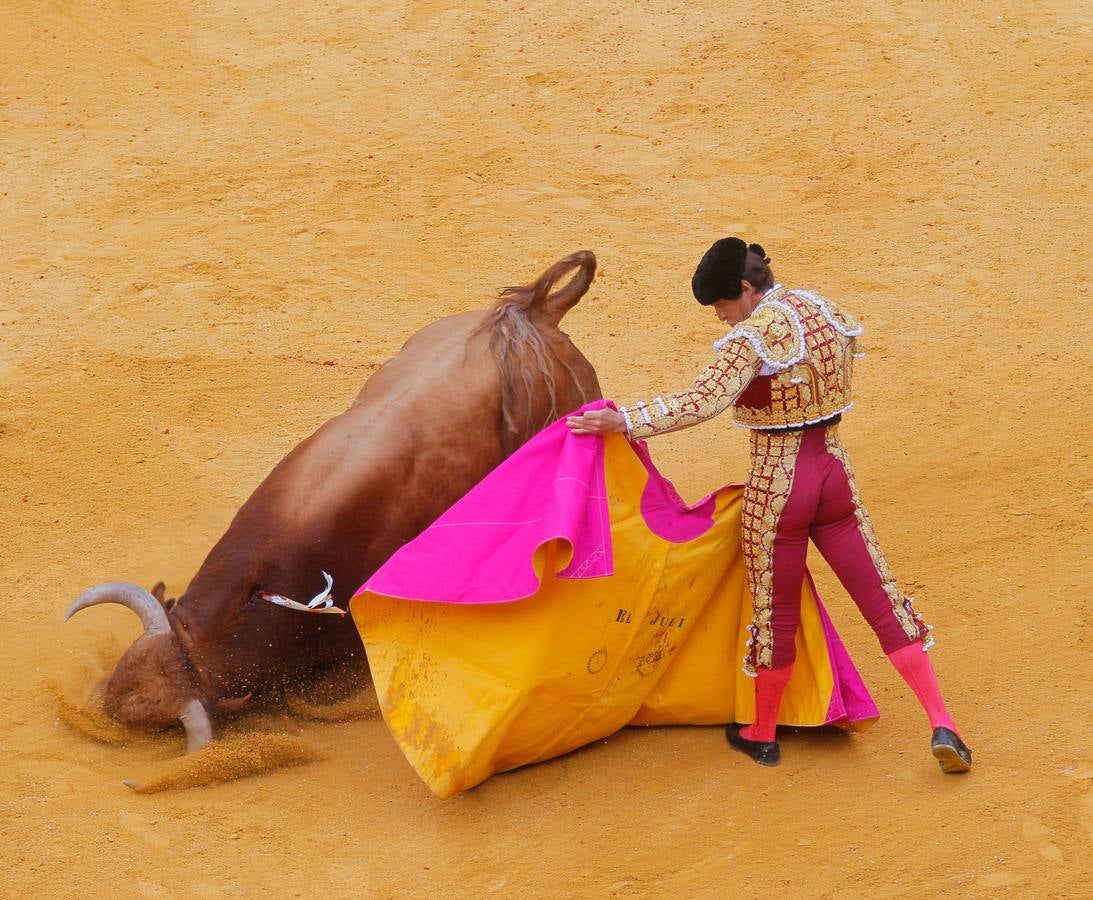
158 590
170 604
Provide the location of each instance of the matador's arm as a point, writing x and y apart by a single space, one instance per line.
714 390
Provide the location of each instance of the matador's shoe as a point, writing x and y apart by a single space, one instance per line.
952 753
766 753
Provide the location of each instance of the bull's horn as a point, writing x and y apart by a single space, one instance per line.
199 730
139 600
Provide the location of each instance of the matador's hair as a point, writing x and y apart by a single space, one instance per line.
724 265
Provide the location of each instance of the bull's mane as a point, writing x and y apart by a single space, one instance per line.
524 358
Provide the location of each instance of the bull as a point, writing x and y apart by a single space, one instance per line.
461 395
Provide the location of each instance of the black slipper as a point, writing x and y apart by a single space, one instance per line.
766 753
952 753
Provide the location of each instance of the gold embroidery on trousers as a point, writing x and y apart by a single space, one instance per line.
773 460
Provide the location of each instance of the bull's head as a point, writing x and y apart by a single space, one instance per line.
151 686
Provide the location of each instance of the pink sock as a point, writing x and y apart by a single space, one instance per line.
769 685
914 666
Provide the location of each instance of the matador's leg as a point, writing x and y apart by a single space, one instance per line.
844 535
775 546
779 503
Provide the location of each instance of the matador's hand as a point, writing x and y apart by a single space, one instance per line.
598 421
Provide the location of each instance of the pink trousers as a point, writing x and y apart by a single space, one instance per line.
801 487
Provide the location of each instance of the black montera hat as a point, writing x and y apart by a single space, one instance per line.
719 272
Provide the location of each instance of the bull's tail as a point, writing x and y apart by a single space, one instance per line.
523 356
540 301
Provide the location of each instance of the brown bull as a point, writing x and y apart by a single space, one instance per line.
460 396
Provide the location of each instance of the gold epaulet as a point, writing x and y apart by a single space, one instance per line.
775 332
842 322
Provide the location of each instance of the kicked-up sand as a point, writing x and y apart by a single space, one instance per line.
216 220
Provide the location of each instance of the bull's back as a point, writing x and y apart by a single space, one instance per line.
421 433
430 359
427 418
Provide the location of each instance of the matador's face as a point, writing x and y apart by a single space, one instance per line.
733 312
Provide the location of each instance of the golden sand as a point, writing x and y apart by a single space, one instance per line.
228 759
86 718
360 706
217 219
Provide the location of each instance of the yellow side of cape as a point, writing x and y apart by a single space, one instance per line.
472 689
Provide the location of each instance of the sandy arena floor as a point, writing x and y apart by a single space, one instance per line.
216 222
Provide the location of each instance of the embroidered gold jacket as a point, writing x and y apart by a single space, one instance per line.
788 364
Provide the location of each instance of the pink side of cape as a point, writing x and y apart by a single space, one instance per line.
850 701
481 550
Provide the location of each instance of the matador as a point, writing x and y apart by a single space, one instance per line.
785 370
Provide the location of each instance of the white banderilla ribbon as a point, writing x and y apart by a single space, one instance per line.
320 603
